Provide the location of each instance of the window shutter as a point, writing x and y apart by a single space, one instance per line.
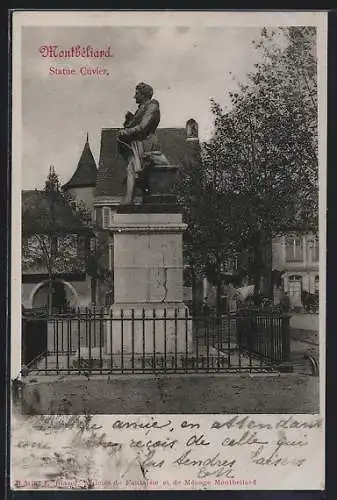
315 250
92 244
298 250
106 217
111 257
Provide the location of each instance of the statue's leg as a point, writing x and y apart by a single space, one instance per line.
130 183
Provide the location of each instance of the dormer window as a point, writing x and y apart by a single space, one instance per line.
192 129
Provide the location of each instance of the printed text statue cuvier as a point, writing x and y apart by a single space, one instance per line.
137 141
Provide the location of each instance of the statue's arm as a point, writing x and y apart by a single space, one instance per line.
141 131
128 118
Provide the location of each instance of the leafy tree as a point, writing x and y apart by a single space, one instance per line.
260 169
190 197
59 235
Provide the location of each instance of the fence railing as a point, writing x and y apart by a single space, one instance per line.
162 339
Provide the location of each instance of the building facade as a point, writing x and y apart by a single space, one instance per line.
296 257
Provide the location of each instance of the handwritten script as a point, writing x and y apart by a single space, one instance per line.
162 452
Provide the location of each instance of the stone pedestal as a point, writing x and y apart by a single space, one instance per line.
148 314
155 328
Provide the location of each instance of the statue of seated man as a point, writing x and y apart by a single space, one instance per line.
137 141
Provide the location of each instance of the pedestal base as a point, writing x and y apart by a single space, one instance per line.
153 328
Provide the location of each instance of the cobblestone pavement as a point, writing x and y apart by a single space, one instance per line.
304 345
223 393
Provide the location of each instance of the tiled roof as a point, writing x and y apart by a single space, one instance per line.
85 174
112 168
40 215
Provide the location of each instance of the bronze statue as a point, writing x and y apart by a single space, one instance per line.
137 141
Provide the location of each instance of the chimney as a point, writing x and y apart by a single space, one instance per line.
192 130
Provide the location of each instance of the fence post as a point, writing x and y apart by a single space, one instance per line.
285 338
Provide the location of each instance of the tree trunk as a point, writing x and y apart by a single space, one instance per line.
261 263
194 290
266 262
50 295
218 297
254 262
93 290
218 286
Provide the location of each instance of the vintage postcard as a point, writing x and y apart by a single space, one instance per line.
168 250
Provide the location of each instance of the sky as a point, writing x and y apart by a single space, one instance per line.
185 66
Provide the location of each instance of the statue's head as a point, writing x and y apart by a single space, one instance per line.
143 92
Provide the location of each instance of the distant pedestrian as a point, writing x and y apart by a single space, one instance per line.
285 303
205 306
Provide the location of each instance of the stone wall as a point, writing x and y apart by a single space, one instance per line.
78 293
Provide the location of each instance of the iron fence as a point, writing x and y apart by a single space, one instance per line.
34 339
160 340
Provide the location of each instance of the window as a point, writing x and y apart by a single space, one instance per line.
81 245
295 286
69 244
106 217
229 265
294 249
73 204
109 298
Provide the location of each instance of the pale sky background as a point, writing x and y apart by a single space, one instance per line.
186 66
